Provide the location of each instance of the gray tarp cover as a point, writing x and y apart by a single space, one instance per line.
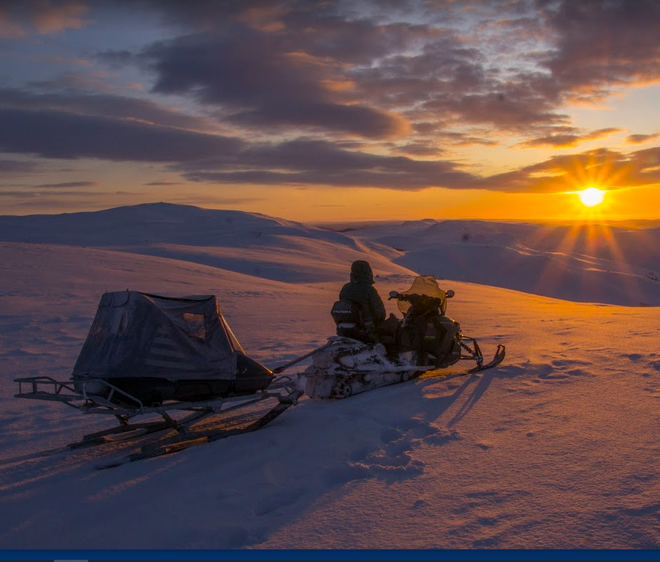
140 335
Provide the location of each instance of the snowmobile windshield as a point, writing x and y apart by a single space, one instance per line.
424 285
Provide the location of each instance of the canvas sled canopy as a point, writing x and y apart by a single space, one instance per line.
160 348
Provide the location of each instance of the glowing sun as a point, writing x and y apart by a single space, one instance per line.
591 196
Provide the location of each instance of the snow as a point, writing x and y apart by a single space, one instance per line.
585 263
556 448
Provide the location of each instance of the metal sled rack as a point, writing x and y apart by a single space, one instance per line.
49 389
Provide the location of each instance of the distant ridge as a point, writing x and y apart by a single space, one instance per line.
584 263
155 223
249 243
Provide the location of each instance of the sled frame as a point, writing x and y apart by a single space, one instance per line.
52 390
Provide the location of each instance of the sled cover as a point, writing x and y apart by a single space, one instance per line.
140 335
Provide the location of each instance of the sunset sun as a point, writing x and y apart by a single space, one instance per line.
591 196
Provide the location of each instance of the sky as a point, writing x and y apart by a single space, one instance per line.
332 110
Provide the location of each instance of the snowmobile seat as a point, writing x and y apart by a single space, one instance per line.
349 320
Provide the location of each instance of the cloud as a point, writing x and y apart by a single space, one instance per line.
163 183
309 162
9 27
94 80
37 194
53 16
419 148
263 81
333 69
368 71
69 184
116 58
568 138
18 19
351 119
302 162
56 134
640 139
17 167
454 83
103 105
327 31
210 199
58 59
604 168
603 45
62 203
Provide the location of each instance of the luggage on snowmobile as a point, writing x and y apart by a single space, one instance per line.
348 319
349 322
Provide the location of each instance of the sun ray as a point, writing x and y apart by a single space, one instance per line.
588 238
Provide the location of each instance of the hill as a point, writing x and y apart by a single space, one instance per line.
583 264
249 243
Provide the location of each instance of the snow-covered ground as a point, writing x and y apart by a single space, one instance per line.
556 448
583 262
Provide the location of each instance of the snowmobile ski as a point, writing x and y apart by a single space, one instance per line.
494 362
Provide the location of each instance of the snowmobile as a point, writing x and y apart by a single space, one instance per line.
148 354
358 359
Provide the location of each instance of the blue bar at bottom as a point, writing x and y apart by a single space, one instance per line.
184 555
